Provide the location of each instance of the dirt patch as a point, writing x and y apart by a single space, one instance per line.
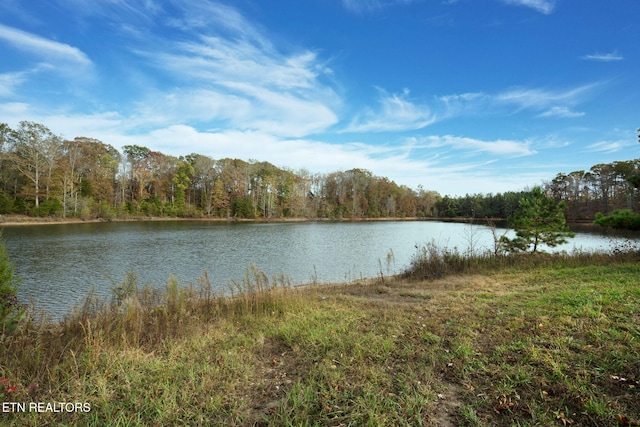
407 292
276 371
448 405
16 220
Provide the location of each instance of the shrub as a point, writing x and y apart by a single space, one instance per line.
6 204
623 218
432 262
20 206
49 208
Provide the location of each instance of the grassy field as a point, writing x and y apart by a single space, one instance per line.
549 340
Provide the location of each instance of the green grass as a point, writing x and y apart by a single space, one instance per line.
551 340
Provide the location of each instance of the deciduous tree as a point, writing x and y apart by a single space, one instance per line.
34 150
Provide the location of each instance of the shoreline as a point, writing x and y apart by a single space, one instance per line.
23 220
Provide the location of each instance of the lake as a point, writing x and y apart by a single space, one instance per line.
58 264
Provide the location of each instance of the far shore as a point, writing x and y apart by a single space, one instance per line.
20 220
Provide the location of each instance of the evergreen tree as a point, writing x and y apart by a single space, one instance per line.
539 220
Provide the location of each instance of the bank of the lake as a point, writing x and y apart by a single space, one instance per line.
550 340
17 220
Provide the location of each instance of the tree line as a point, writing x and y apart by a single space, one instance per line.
43 174
604 188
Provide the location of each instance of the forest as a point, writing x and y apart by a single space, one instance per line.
43 174
604 188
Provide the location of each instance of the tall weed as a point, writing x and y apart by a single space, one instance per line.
11 312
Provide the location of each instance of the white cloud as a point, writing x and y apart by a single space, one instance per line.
367 6
192 105
562 112
43 48
466 103
108 126
14 112
607 146
541 99
9 82
120 12
603 57
547 103
479 178
252 104
104 124
531 98
394 113
199 16
398 113
243 80
543 6
362 5
221 60
499 147
285 114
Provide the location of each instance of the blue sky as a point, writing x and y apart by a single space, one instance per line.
460 96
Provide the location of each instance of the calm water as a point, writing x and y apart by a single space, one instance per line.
59 264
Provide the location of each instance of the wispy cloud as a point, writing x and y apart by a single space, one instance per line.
9 82
398 113
533 97
607 146
368 6
199 16
561 112
543 6
499 147
227 72
43 48
119 12
603 57
395 113
549 101
559 103
14 112
223 60
456 105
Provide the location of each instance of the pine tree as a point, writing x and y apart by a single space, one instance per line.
539 220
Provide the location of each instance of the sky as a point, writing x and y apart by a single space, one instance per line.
456 96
